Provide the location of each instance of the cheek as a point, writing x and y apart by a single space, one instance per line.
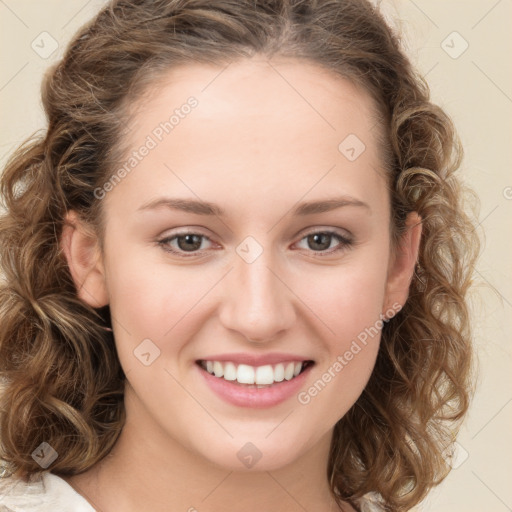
348 299
156 301
352 315
349 303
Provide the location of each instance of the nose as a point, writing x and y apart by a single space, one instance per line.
257 303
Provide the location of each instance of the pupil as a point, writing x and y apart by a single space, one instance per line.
194 242
317 238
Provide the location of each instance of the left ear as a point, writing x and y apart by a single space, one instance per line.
402 263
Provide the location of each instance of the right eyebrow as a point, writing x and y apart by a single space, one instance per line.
186 205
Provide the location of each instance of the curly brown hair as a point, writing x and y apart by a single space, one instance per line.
61 378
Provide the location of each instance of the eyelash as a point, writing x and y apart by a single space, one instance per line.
344 243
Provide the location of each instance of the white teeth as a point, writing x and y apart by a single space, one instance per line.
218 369
288 371
264 375
260 375
279 372
230 371
245 374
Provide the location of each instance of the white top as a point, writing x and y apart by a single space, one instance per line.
51 493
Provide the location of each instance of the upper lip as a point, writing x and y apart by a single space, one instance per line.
256 360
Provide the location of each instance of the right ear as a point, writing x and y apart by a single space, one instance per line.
80 247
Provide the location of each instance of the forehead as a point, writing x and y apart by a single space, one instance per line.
264 89
257 124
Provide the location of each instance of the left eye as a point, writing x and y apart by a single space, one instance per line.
321 241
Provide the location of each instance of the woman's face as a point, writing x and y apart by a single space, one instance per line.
251 232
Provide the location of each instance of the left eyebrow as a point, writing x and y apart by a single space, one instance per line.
313 207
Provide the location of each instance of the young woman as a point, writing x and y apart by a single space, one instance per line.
235 268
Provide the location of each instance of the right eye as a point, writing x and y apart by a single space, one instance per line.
183 243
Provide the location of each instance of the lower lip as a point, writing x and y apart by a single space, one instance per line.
256 398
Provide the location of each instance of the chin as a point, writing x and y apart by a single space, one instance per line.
246 453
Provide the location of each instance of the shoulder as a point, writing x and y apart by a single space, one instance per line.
45 492
370 502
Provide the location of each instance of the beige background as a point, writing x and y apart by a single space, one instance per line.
475 87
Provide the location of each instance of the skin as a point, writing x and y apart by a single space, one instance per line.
263 137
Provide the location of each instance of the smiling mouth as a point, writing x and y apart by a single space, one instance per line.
255 376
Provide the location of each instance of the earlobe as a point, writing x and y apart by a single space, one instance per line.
80 247
403 262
